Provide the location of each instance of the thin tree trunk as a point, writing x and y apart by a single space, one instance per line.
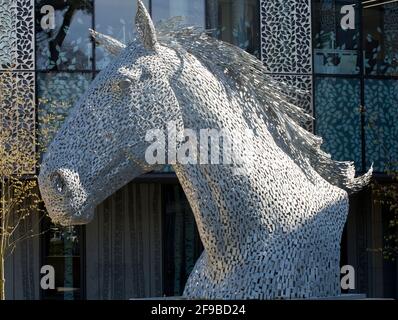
2 278
2 238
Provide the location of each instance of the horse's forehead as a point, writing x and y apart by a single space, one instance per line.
134 61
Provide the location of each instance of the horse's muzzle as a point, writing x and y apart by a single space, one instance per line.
78 218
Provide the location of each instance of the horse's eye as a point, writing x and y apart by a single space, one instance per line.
124 84
59 183
145 75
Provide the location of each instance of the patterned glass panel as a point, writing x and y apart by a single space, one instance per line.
64 44
236 22
114 18
7 36
57 92
286 36
336 42
16 35
338 118
380 34
17 115
17 80
381 97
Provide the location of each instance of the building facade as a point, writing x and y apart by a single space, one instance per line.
143 242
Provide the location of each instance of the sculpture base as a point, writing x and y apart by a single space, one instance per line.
348 296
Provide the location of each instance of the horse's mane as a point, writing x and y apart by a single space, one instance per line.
273 97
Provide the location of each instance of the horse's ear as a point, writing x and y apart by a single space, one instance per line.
145 28
111 45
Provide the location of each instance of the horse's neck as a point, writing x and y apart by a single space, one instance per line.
220 203
234 210
206 106
224 201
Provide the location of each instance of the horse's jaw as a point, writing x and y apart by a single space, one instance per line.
76 219
72 192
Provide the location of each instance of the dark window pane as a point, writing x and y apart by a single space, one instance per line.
182 245
62 250
67 46
380 36
338 118
57 93
390 232
236 22
116 19
336 49
381 100
193 11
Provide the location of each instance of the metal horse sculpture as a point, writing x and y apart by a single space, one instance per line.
272 231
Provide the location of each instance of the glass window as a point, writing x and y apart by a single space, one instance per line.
114 18
380 37
193 11
57 93
381 100
236 22
338 118
65 43
62 250
336 36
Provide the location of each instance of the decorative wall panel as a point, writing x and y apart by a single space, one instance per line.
17 78
17 35
286 36
17 114
286 46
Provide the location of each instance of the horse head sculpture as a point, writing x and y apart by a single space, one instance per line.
272 231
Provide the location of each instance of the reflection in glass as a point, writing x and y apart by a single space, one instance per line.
68 46
381 97
236 22
380 39
338 118
193 11
335 49
62 250
57 92
116 19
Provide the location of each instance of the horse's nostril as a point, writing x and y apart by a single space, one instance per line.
58 182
